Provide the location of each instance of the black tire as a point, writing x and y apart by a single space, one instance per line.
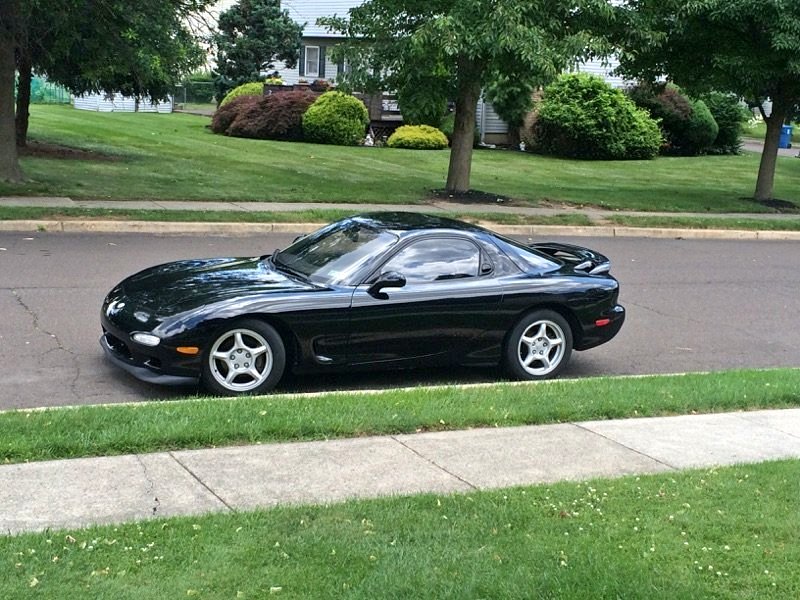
548 351
246 357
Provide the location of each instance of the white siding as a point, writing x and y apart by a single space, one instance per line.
307 11
488 120
292 76
603 68
119 103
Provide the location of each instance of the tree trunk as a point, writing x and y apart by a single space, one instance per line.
469 91
9 164
23 96
769 156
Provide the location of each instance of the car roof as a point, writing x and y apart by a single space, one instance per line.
414 222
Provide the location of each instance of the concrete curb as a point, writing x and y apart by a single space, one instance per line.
234 229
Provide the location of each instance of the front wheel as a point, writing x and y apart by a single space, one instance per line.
539 346
248 357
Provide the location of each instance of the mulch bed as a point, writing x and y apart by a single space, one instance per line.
471 197
55 151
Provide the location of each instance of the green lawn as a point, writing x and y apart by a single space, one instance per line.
202 423
758 131
303 216
706 223
720 533
176 157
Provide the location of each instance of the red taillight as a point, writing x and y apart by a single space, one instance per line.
602 322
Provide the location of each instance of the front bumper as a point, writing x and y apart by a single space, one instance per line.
141 370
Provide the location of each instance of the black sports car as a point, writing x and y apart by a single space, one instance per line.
376 290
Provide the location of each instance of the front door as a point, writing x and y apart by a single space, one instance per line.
437 316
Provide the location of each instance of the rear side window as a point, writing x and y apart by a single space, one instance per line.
440 259
520 253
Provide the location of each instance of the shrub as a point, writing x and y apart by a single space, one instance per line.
320 85
226 114
336 118
730 116
687 125
273 117
581 116
419 137
701 129
449 122
255 88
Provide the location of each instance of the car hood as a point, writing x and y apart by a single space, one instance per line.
183 285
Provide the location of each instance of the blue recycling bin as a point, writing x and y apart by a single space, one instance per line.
786 137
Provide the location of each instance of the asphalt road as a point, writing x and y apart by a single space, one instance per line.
692 306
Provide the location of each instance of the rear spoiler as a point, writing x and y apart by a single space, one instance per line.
581 259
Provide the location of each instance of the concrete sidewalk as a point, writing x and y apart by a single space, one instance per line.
82 492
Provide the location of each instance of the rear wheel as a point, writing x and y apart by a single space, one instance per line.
539 346
248 357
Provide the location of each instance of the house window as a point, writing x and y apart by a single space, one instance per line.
312 61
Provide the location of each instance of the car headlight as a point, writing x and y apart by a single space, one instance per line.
146 339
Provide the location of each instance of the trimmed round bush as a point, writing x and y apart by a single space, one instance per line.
418 137
275 117
255 88
701 129
225 115
581 116
336 118
730 115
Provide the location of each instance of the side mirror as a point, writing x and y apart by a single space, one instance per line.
390 279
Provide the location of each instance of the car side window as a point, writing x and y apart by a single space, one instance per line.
440 259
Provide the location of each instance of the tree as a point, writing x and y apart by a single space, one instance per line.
139 49
252 35
747 47
473 42
9 165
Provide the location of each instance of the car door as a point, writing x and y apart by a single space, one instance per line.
436 316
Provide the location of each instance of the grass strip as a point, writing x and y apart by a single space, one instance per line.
718 533
8 213
749 224
175 157
198 423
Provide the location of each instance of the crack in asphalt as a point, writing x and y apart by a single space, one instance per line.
60 347
662 313
32 314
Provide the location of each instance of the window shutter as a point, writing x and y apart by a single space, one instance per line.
321 69
302 60
340 67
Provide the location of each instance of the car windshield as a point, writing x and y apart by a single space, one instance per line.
333 254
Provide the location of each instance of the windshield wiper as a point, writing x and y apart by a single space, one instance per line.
281 266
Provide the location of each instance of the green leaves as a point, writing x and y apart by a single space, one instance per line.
252 35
